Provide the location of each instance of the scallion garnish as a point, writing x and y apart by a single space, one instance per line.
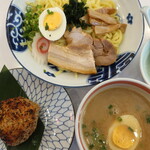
86 134
119 119
46 26
130 129
83 126
91 146
31 22
110 106
96 139
38 6
148 118
50 12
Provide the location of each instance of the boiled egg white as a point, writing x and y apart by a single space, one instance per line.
52 23
125 133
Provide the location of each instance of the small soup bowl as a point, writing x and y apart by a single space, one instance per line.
146 11
145 62
135 85
145 55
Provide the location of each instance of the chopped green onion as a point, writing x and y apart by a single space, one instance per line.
23 43
96 139
119 119
91 146
86 134
46 27
111 112
50 12
83 126
130 129
30 21
110 106
94 129
148 118
39 6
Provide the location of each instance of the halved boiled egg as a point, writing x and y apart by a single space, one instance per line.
124 134
52 23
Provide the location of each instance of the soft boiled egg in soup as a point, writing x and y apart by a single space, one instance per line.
52 23
124 134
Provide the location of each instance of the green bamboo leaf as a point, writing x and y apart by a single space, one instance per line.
10 88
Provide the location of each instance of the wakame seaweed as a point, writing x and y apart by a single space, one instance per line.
74 11
10 88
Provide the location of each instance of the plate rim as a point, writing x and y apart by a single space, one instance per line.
86 84
73 109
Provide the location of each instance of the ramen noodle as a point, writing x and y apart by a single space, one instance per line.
114 37
49 3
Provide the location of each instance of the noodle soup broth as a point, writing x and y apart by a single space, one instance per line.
116 117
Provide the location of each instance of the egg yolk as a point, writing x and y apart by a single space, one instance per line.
123 137
52 21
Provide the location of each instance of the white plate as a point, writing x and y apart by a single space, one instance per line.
129 11
56 112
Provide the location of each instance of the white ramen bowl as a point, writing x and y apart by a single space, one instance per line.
136 85
129 13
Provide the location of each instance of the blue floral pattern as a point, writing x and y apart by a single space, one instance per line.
49 73
14 29
104 73
129 18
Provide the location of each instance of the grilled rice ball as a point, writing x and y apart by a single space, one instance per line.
18 120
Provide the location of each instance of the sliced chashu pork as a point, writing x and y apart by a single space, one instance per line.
104 52
95 22
100 30
76 58
82 54
77 37
106 10
101 16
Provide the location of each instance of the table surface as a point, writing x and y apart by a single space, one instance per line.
76 94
